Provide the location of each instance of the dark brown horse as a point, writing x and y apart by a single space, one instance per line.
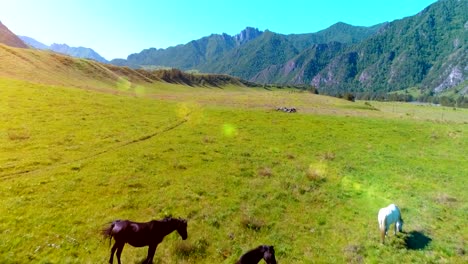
256 254
143 234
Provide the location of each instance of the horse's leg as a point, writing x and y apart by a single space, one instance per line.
119 251
111 260
382 235
151 251
383 231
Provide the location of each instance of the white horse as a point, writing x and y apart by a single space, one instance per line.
387 216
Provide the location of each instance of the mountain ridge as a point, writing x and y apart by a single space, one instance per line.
205 53
190 55
77 52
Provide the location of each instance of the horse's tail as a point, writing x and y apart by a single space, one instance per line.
107 232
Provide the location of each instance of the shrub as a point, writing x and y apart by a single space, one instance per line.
354 253
349 97
316 172
18 134
188 249
252 223
328 156
265 172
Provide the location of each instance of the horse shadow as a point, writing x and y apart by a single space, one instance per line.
416 240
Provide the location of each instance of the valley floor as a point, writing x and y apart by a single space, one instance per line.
243 174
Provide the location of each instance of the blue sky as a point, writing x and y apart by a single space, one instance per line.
117 28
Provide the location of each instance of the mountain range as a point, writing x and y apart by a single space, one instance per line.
235 54
428 51
78 52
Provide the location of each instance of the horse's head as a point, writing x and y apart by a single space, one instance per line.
399 225
182 228
269 254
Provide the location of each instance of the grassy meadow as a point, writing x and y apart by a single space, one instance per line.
311 183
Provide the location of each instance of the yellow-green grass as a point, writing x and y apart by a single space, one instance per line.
243 174
423 111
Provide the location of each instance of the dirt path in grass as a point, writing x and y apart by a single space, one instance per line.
107 150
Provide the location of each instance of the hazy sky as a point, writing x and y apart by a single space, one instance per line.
117 28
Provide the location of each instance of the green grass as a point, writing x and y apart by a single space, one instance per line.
308 183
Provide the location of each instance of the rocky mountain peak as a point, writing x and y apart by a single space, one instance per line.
246 35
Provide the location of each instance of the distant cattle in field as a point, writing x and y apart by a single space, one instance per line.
287 109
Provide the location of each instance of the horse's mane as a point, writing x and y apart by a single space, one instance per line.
170 219
167 219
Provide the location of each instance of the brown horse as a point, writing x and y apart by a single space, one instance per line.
143 234
256 254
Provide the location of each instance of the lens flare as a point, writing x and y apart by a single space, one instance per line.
347 182
229 130
123 84
140 91
191 112
183 110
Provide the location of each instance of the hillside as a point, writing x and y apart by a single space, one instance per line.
273 49
428 50
47 67
10 39
269 48
77 52
299 69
